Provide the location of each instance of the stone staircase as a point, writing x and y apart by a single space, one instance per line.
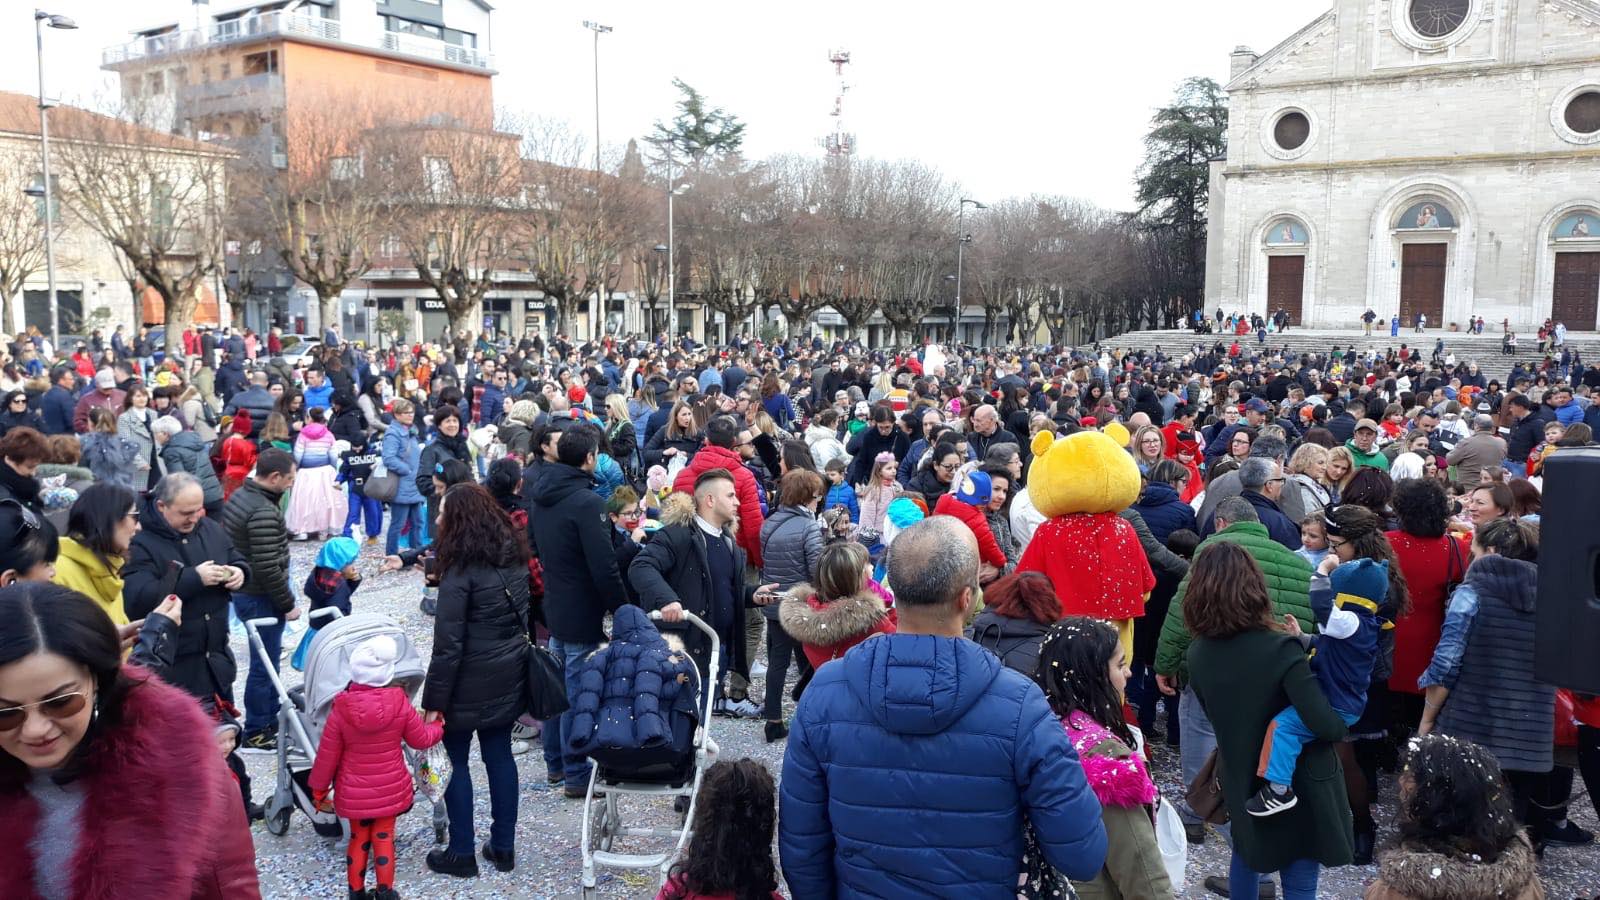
1482 349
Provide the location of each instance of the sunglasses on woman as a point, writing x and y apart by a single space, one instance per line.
61 706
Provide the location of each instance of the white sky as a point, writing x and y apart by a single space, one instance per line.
1008 98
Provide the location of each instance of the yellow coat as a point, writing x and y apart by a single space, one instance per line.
78 568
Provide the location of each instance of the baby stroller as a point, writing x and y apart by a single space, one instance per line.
303 710
672 771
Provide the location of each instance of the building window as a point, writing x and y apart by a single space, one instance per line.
1437 18
1291 130
408 26
261 63
155 84
390 247
162 215
436 175
1582 114
345 168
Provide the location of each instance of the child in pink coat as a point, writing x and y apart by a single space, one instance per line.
360 758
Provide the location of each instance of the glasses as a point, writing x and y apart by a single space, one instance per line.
1335 543
950 467
19 400
61 706
1279 480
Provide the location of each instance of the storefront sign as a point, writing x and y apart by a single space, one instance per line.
433 305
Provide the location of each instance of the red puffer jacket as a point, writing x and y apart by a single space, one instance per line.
750 518
988 548
360 751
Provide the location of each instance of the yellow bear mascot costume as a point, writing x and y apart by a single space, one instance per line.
1090 554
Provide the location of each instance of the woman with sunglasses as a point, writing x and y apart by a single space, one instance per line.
18 414
109 778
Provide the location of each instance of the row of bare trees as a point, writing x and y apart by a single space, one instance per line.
464 206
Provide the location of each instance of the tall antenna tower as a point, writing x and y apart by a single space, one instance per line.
841 142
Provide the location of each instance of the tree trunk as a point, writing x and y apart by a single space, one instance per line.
327 309
7 323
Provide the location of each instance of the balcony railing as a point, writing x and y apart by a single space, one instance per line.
232 95
428 48
283 24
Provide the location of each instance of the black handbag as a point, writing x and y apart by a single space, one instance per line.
544 685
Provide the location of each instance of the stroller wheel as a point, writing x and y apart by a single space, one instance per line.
278 822
610 824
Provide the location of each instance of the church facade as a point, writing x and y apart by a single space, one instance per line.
1433 157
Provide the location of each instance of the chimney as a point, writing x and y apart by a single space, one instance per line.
1241 58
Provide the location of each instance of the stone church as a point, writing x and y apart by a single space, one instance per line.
1439 157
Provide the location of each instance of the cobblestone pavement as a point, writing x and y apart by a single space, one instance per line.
303 865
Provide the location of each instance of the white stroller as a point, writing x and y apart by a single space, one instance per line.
303 710
669 773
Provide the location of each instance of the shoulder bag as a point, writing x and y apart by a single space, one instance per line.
544 686
1205 792
381 485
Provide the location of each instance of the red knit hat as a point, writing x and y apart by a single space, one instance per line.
576 393
241 422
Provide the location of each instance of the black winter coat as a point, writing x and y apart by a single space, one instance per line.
672 568
255 523
438 450
571 536
1015 641
160 562
866 444
480 646
257 401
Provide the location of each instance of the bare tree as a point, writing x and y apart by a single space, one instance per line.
450 196
21 232
158 199
324 212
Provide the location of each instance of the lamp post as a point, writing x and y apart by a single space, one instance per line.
672 271
962 240
600 292
661 251
41 19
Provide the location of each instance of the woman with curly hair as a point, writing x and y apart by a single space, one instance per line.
1433 562
1356 532
729 856
1458 838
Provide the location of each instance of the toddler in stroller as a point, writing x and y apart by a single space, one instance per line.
640 712
361 759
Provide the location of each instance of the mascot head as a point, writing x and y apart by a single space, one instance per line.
1085 472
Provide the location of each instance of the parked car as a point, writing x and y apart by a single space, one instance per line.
298 349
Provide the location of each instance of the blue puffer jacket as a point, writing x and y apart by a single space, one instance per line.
1164 512
401 456
910 766
628 690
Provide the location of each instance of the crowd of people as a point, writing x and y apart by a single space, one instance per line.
999 576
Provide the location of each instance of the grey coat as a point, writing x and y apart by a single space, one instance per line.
791 544
1496 701
186 452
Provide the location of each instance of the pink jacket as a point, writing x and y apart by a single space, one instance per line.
360 753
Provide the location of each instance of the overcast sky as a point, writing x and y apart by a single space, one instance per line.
1007 98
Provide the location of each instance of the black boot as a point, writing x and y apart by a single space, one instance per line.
502 861
385 893
360 895
1366 840
776 731
447 863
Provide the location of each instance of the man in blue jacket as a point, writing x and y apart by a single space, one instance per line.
914 761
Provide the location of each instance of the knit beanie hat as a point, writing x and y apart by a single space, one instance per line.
971 487
901 514
338 552
1364 581
372 662
241 422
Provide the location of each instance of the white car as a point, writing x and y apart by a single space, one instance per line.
299 348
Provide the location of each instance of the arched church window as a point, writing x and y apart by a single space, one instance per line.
1437 18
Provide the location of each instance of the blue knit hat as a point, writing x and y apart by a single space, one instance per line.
1365 581
338 552
973 488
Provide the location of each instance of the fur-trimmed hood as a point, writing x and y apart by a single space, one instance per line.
1416 874
159 807
811 621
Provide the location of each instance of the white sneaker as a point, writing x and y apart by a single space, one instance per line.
744 709
519 747
758 670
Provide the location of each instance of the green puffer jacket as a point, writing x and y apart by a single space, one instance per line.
256 526
1288 584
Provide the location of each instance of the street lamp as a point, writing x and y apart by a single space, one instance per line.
600 298
962 240
41 19
672 271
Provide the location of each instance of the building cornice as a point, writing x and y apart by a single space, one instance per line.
1440 162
